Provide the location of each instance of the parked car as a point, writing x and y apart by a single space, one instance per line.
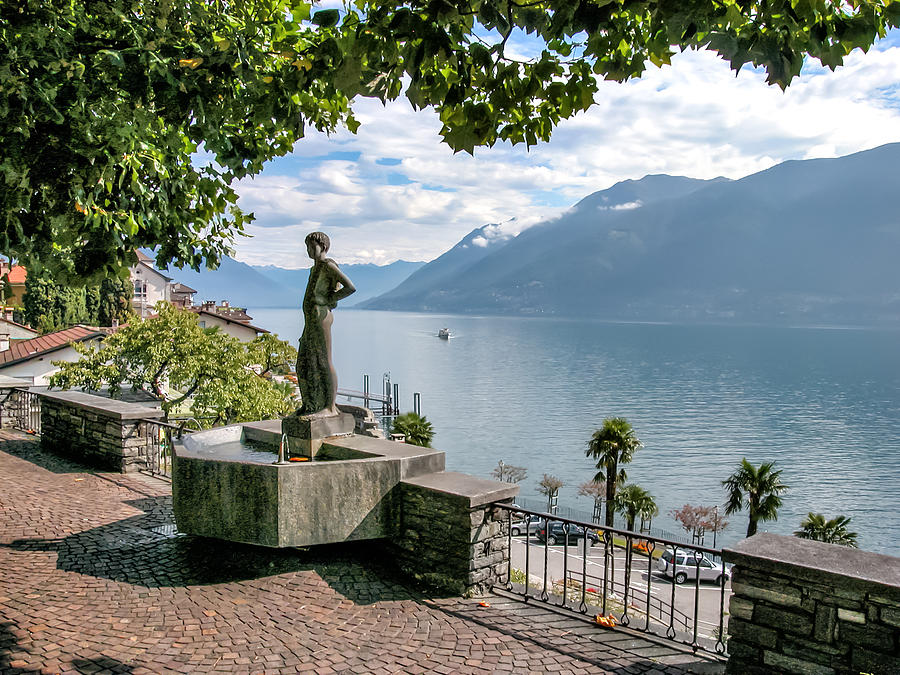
529 524
685 564
556 533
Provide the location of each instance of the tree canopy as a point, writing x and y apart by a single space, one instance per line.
698 520
125 123
49 306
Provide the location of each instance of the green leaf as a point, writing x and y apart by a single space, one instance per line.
326 18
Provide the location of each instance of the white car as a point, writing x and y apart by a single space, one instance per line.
684 565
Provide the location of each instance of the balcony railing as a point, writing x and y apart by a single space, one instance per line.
159 451
615 576
21 409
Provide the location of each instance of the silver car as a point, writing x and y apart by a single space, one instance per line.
685 564
530 524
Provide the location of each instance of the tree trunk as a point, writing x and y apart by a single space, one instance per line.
610 494
751 527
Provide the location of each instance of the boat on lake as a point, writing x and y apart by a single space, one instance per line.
444 333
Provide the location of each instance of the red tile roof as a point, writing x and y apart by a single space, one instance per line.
17 275
143 257
23 350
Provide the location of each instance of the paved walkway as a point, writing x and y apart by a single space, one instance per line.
94 580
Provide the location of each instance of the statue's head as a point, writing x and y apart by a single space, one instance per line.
319 238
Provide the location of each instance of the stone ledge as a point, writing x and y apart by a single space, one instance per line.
817 562
121 410
477 491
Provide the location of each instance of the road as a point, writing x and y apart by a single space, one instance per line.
661 587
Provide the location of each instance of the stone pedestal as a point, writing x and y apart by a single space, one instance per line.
306 433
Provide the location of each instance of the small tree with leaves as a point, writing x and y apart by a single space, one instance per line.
508 473
549 487
174 359
698 520
833 531
271 355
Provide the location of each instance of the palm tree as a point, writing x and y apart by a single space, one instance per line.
633 501
833 531
760 486
415 427
611 445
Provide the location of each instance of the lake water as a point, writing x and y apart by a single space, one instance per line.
824 404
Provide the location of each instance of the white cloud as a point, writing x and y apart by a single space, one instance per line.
625 206
694 118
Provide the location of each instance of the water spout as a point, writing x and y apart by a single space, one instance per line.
283 451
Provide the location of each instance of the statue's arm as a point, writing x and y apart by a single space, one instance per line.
347 287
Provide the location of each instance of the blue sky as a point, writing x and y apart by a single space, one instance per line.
394 191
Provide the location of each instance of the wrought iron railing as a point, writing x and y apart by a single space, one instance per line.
21 409
614 575
159 451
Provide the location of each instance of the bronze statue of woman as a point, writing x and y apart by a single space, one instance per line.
315 370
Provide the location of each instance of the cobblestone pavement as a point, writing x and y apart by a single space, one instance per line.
94 580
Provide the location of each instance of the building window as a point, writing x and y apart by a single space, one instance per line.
140 289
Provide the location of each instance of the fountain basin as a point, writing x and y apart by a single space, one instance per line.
225 485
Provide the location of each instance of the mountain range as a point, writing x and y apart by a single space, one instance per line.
244 285
810 242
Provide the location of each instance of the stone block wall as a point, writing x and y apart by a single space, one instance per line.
97 431
802 606
450 536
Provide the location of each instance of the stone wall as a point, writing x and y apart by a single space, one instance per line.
802 606
364 419
450 536
97 431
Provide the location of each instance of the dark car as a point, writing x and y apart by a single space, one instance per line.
557 533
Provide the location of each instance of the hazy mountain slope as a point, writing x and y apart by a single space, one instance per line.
472 248
806 241
236 282
370 280
434 286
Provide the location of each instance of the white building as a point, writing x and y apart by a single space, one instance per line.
150 286
12 331
230 320
31 360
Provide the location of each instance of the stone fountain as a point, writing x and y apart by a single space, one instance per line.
315 478
227 484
